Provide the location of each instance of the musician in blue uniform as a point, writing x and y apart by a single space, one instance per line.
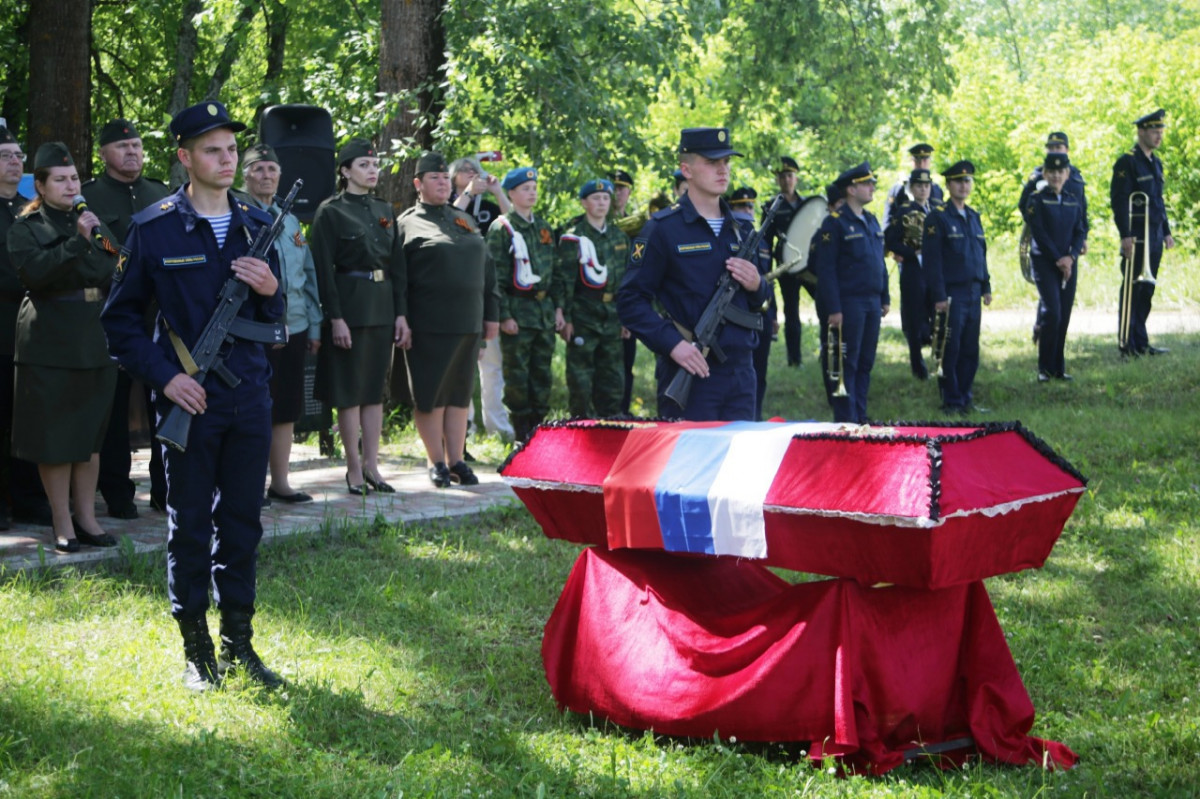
922 158
853 286
903 239
954 254
181 252
835 198
742 203
677 260
789 284
1141 170
1055 216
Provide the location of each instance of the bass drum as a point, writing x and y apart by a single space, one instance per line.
793 255
1025 252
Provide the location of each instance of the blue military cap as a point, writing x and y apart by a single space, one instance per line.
678 176
517 176
921 150
620 177
743 196
1058 137
1155 119
858 174
1056 161
920 176
834 192
711 143
959 169
787 164
201 118
595 186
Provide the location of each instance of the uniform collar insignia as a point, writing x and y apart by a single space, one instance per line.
167 206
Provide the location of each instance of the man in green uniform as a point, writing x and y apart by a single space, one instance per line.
591 261
521 245
115 196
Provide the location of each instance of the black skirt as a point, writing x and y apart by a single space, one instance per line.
287 379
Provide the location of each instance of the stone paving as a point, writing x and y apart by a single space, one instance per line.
28 547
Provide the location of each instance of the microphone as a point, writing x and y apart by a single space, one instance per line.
80 205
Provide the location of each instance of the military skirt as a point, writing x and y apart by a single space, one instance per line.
354 377
60 415
441 369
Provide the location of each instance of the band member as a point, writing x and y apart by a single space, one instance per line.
789 284
954 255
853 285
903 239
835 198
1141 170
922 158
677 261
1055 217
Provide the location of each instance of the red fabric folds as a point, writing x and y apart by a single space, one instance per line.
692 646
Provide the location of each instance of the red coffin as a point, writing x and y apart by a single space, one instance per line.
916 504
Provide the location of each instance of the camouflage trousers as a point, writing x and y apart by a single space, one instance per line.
527 358
595 374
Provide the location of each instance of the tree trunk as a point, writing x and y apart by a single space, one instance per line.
185 56
412 44
277 16
60 78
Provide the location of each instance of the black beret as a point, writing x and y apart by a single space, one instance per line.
834 192
6 136
52 153
201 118
118 130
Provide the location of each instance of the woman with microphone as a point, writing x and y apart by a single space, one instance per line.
64 377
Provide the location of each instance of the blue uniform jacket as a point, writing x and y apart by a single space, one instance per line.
1075 184
849 260
1135 171
171 255
676 260
954 251
1056 221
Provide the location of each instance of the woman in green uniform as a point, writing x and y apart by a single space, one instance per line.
360 272
452 304
64 377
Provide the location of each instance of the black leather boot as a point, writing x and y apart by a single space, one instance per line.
201 673
238 653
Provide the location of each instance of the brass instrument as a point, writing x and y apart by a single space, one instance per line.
913 225
941 333
632 225
834 339
1142 200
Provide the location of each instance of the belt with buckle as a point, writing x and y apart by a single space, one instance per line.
528 294
374 275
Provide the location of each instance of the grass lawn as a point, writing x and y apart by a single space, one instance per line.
413 653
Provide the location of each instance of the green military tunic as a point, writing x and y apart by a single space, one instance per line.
595 355
527 355
115 201
451 292
64 375
361 277
11 289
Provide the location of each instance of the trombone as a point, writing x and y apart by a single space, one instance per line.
833 339
1142 200
941 332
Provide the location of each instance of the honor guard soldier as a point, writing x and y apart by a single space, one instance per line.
1055 216
922 158
852 282
789 284
181 252
954 258
903 239
1140 171
591 262
521 245
21 494
677 261
115 196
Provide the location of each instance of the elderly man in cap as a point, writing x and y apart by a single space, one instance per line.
954 255
261 172
180 253
789 284
677 261
115 196
1140 170
853 286
903 238
922 158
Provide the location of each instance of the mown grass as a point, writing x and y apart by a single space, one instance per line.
413 652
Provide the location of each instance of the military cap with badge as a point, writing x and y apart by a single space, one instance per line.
117 130
1153 120
619 177
712 143
201 118
595 186
743 196
857 174
959 170
517 176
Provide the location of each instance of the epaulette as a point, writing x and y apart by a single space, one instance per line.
835 214
151 212
673 208
254 212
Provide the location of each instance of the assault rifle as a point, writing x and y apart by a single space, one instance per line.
224 326
720 309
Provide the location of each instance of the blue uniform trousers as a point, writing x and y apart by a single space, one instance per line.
789 290
1143 294
961 359
762 356
860 338
1055 314
916 311
214 498
726 395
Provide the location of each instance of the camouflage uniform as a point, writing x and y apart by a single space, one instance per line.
595 354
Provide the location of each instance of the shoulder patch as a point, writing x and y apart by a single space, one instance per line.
119 270
639 250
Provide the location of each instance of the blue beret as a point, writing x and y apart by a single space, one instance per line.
201 118
1155 119
959 169
515 177
858 174
711 143
594 186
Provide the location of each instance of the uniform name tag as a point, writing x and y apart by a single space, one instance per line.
184 260
849 236
702 246
1145 177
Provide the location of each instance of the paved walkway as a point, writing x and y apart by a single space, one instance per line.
415 499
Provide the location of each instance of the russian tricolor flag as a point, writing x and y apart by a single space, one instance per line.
697 487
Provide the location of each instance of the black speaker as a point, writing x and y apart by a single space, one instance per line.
302 136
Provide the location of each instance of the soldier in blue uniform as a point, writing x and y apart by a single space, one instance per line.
1055 215
1140 170
180 252
677 260
903 239
922 158
789 284
853 285
835 198
954 254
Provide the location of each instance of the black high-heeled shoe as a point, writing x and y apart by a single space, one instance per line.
84 537
360 490
64 544
378 484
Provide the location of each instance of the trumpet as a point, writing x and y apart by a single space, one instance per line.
833 340
941 333
1138 199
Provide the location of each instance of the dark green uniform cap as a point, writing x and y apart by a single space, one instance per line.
431 162
118 130
6 136
259 152
356 148
52 153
